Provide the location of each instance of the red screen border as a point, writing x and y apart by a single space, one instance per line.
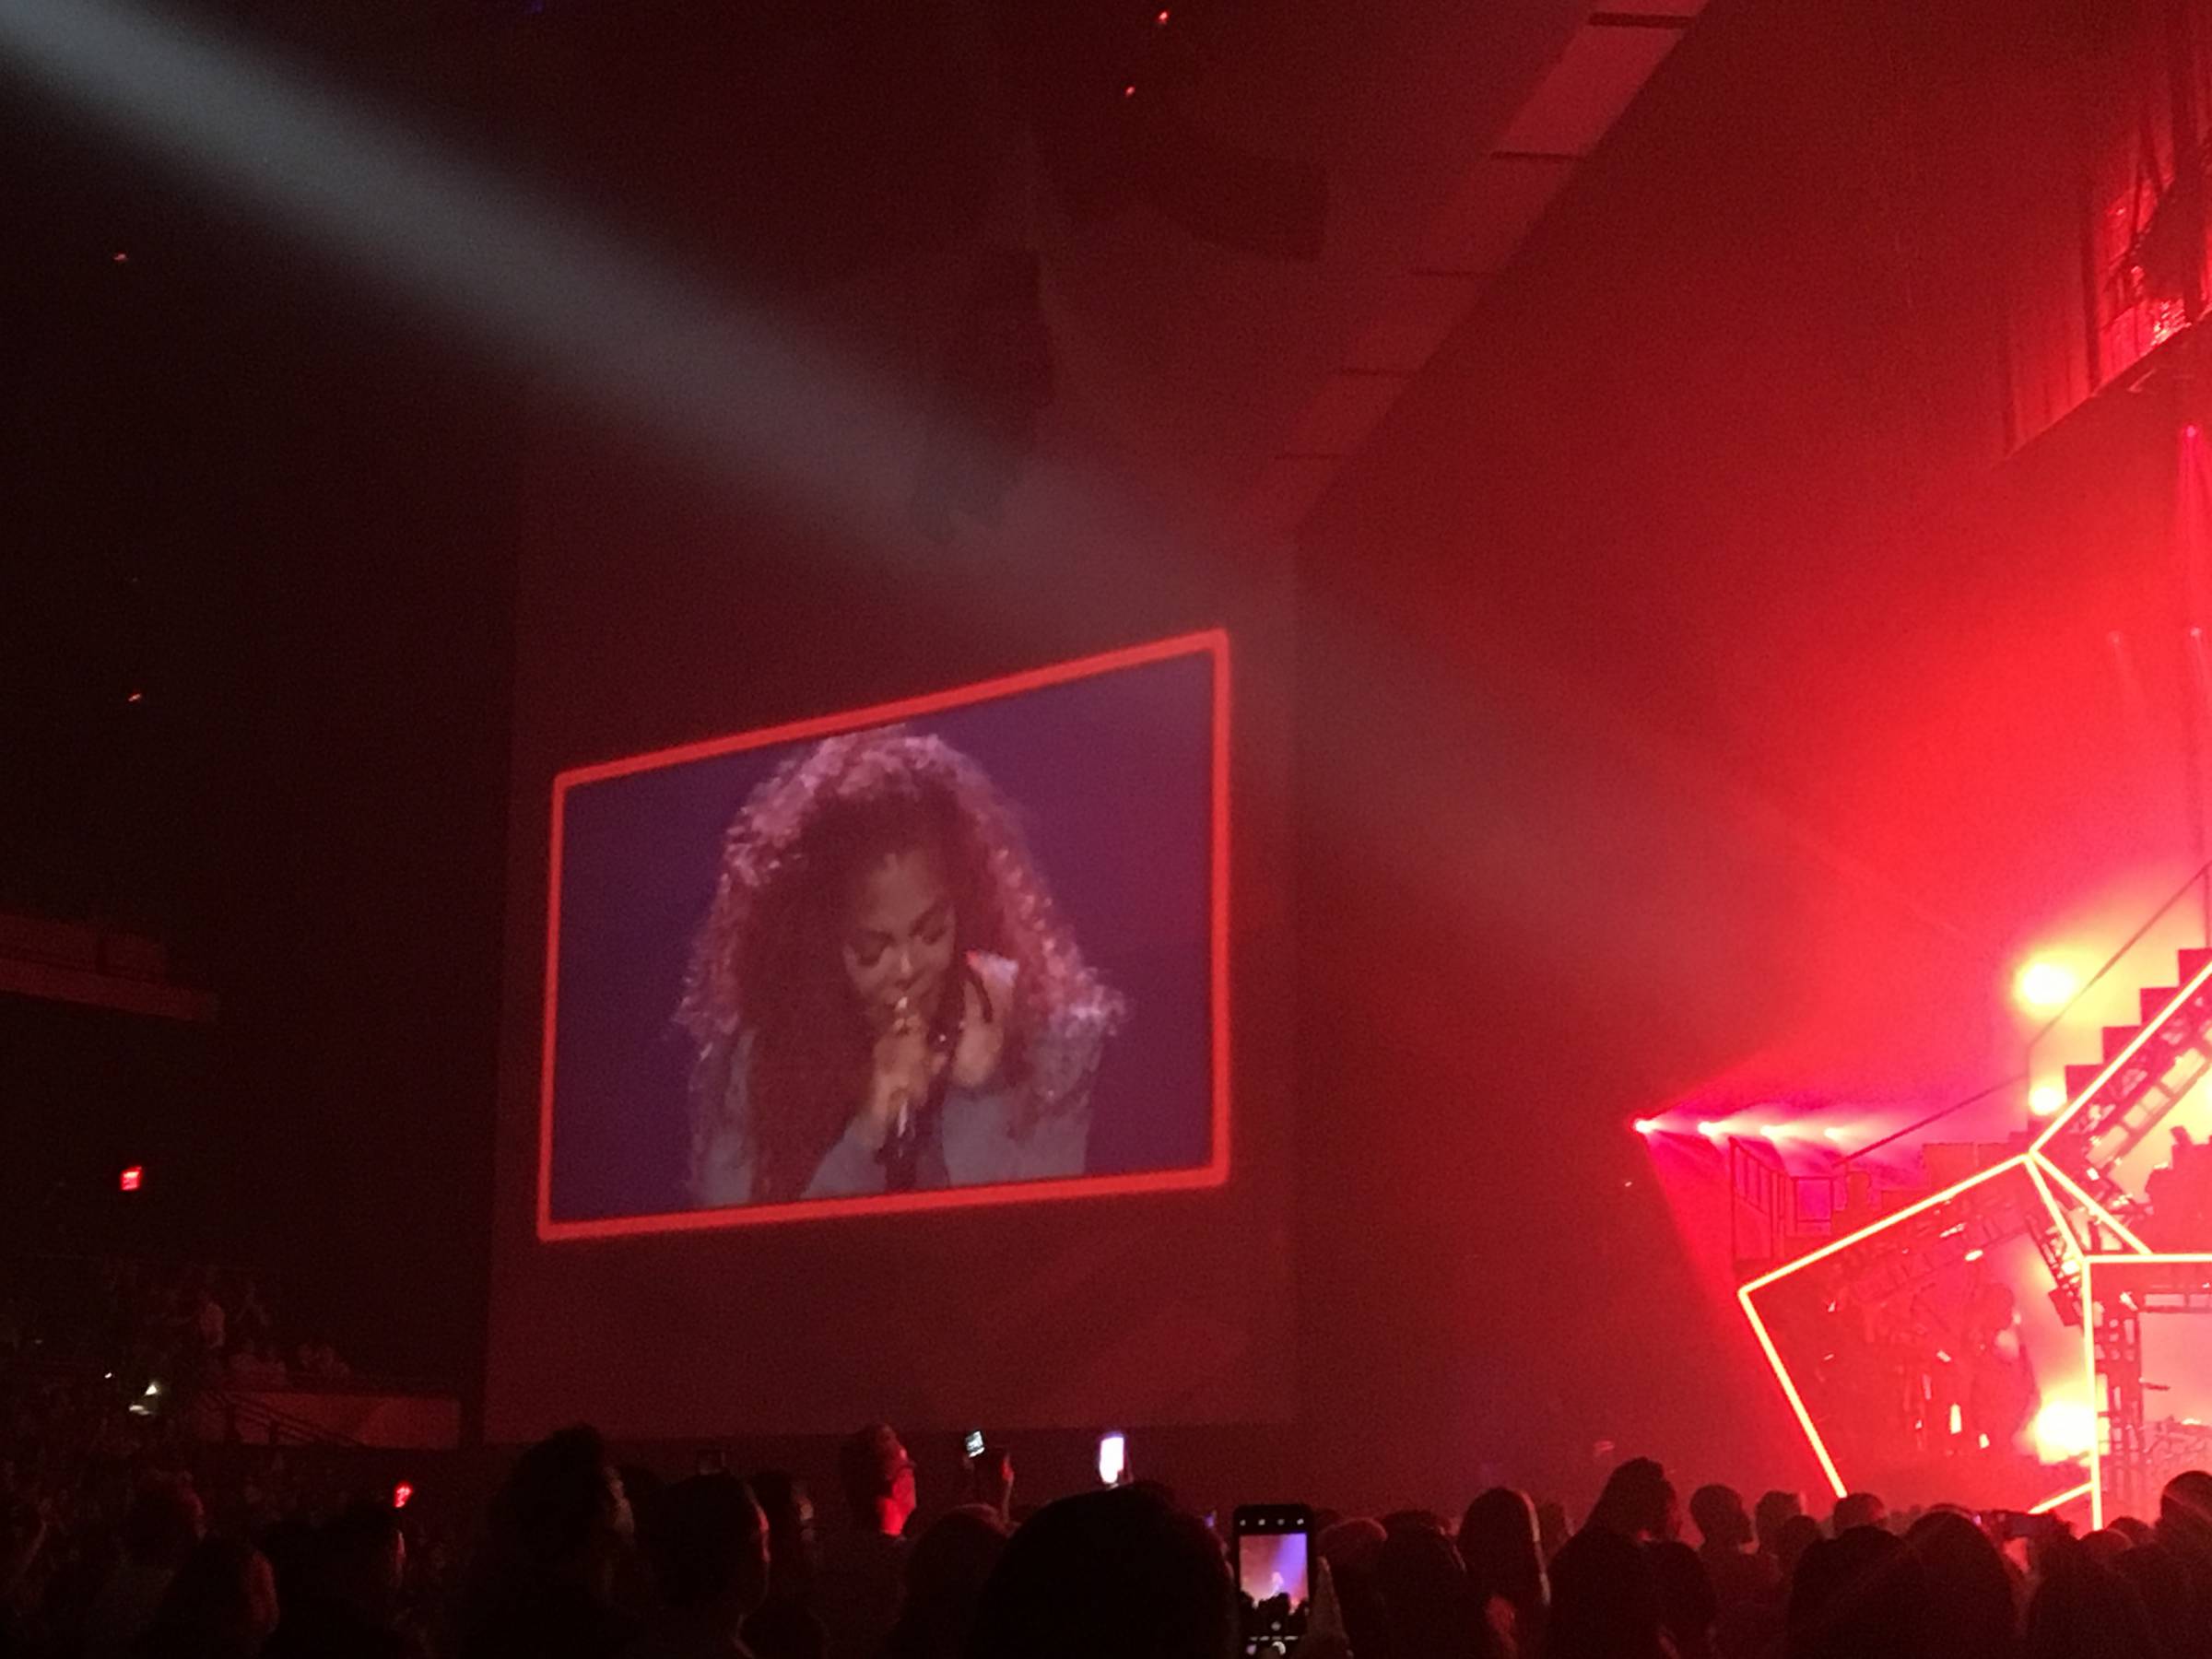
1213 642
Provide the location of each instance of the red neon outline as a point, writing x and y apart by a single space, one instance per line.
1212 1173
2082 1193
2086 1489
1766 1342
2163 1258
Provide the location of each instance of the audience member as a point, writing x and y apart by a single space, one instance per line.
1797 1534
164 1526
945 1572
1856 1595
2081 1610
1687 1609
1858 1509
1605 1595
1427 1613
341 1593
1111 1574
1506 1586
864 1571
220 1604
1971 1599
1767 1518
1728 1546
542 1586
709 1545
785 1627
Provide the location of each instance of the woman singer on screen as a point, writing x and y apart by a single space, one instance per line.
883 996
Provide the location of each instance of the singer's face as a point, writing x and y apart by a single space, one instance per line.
899 935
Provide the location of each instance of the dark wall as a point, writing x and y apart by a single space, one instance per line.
245 485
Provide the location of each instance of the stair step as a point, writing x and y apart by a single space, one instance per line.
2153 1000
2193 961
2118 1037
2079 1077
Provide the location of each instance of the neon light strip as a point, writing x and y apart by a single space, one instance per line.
1789 1389
2086 1489
2102 1214
2122 1058
1868 1231
2089 1343
2097 1412
2058 1211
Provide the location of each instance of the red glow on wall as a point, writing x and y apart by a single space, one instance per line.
131 1179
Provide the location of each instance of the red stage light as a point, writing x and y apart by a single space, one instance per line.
2189 431
1646 1126
1130 90
131 1179
1713 1131
400 1494
1163 18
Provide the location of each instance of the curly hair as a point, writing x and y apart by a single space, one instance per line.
765 963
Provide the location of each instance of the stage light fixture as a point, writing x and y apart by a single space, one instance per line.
1646 1126
2045 984
131 1179
1713 1132
2045 1099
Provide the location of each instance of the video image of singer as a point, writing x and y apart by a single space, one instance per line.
1271 1577
967 951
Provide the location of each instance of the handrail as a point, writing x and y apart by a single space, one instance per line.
1933 1117
250 1406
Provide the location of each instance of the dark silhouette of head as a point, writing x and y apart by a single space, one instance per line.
945 1578
164 1521
1858 1509
221 1605
1797 1534
1766 1516
1110 1574
2186 1509
1605 1599
2162 1584
1498 1543
877 1478
1423 1590
562 1510
1970 1606
1722 1520
1637 1501
708 1541
1855 1595
2081 1610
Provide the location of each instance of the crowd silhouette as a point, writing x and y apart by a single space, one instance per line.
577 1557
